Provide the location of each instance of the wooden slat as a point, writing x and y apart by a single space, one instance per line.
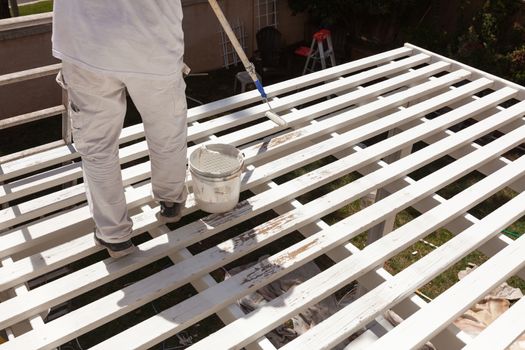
360 312
31 117
64 174
501 81
227 315
27 152
18 168
334 104
61 199
447 338
208 301
282 104
66 284
29 73
400 100
317 151
229 103
414 161
297 136
14 241
325 107
420 327
335 329
26 21
38 182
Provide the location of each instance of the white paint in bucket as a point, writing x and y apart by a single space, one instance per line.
216 172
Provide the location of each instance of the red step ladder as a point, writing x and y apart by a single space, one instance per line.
320 49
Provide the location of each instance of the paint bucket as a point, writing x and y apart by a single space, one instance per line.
216 173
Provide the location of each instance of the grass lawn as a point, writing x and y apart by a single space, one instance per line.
423 247
38 7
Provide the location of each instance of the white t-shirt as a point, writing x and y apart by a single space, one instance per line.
137 37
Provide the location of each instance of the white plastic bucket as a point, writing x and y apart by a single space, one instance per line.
216 173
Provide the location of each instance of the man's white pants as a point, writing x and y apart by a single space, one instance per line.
97 106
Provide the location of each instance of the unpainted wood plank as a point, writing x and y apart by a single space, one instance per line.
24 325
33 162
25 211
54 225
27 152
63 174
39 182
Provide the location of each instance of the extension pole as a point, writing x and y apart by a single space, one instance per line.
248 66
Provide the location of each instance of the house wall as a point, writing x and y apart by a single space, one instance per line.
27 48
202 30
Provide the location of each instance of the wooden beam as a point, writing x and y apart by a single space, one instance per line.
342 324
31 117
420 327
229 290
26 21
29 73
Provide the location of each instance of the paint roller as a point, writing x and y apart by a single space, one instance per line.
248 66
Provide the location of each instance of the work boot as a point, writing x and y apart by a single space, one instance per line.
116 250
170 212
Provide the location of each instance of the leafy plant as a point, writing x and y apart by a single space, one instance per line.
517 65
345 12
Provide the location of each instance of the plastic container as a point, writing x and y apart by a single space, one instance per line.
216 173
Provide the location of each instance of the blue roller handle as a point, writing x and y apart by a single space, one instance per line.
260 88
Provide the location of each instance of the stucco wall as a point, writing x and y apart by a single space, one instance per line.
202 30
